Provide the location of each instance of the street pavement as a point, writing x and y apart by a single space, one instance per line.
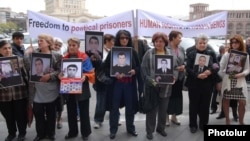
175 133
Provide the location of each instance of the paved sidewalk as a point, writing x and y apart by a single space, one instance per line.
175 133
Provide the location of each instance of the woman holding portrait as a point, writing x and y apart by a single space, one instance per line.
200 82
234 86
81 100
161 91
124 88
13 100
45 92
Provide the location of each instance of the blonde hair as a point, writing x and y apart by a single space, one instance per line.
48 38
75 39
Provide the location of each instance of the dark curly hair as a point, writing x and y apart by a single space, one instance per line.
118 35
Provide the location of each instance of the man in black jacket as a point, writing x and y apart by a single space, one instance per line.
17 45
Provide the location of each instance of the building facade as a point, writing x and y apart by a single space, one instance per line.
69 10
238 20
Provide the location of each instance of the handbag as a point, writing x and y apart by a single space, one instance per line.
148 100
102 77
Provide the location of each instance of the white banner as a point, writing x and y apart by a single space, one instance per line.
39 23
149 23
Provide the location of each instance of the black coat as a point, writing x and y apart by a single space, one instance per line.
192 74
136 67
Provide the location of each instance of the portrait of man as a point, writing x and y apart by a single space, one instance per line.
72 70
9 72
236 62
121 65
94 44
162 67
40 65
202 64
6 69
38 72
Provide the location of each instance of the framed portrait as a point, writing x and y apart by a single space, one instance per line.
10 73
72 73
236 61
201 63
121 61
164 69
94 43
40 65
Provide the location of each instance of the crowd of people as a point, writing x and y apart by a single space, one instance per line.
199 69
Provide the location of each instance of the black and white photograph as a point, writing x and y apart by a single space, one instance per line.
164 69
236 61
94 43
9 72
71 82
40 65
72 68
121 61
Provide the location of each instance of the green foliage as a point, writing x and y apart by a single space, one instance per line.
8 27
231 75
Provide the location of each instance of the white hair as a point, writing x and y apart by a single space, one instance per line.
57 39
201 36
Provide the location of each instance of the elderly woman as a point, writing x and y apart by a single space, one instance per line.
161 91
58 43
124 88
13 100
45 92
82 100
200 83
234 87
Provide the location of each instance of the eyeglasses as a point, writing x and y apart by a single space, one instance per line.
122 38
235 42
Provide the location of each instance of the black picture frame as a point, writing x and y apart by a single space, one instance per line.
71 82
164 72
236 61
10 72
125 54
40 59
91 39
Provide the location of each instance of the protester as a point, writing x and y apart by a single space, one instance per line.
175 105
17 45
82 100
45 92
14 100
58 47
200 84
161 93
124 88
234 85
102 90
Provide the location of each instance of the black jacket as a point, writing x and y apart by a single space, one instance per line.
192 74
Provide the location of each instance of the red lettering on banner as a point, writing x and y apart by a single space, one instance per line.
146 23
84 28
122 24
217 24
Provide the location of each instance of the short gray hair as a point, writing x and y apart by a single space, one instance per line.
201 36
